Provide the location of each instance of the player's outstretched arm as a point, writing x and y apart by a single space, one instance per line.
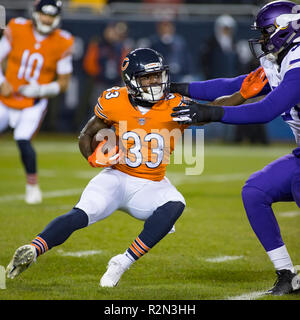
210 90
88 132
252 85
281 99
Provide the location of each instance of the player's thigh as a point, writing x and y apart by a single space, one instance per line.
102 196
150 197
29 122
275 178
4 117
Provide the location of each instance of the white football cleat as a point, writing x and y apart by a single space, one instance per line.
33 194
114 272
22 259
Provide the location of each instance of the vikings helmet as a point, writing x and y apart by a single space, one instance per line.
141 62
279 24
48 7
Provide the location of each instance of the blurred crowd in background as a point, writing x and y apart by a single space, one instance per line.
195 46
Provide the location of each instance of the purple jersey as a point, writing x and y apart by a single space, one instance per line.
275 75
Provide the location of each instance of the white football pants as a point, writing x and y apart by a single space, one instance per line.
25 122
113 190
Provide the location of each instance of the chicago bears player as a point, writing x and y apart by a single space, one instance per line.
133 179
37 53
279 52
137 184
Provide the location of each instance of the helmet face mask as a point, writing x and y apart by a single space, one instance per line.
262 46
46 10
151 91
145 75
275 21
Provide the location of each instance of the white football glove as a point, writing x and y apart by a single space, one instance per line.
31 90
35 90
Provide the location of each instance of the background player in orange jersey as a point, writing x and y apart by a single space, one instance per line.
39 66
134 182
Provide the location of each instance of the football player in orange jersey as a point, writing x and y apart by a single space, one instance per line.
39 66
133 180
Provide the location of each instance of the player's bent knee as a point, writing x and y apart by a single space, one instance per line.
161 222
254 198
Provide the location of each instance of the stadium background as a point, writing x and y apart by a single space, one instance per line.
193 20
214 254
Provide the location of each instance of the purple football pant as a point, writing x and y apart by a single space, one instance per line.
278 181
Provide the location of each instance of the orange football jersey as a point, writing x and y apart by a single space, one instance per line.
31 60
149 139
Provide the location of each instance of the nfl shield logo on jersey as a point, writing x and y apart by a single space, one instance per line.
141 121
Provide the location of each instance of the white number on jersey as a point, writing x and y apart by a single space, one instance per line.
136 149
29 61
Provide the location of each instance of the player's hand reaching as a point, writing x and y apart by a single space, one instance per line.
192 112
253 83
6 89
100 159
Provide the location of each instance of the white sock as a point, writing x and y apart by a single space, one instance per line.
281 259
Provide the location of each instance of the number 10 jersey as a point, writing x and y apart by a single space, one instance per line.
32 59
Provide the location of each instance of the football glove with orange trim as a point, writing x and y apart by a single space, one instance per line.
253 83
100 159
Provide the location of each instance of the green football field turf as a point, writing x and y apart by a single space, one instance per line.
213 255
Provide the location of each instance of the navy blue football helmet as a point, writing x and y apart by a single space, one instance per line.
47 7
141 62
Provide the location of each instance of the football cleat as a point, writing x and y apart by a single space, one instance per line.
33 194
114 271
287 282
22 259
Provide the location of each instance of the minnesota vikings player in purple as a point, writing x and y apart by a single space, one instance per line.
279 52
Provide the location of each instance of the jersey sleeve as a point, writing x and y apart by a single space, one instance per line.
108 104
105 105
66 43
13 29
101 110
65 64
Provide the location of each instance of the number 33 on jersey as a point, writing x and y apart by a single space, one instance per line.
149 138
32 59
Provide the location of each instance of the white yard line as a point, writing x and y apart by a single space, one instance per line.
248 296
245 296
46 195
223 259
290 214
79 254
